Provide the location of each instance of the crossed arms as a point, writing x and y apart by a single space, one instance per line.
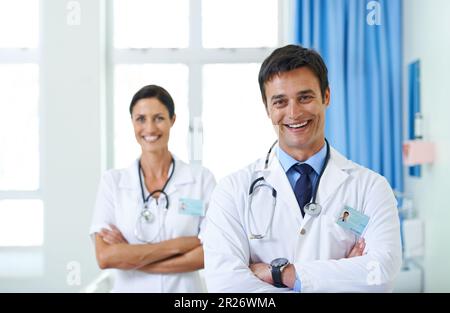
183 254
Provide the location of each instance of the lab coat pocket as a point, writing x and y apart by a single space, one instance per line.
338 240
179 224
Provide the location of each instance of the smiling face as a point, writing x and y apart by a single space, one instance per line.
297 110
151 123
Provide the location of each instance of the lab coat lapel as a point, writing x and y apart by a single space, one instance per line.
334 176
181 176
130 178
277 178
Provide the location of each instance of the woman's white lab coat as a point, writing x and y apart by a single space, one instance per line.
119 202
319 254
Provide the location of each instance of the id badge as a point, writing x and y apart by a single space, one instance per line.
353 220
192 207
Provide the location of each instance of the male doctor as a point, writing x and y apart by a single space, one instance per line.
275 243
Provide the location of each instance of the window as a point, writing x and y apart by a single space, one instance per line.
240 24
146 23
237 130
19 20
21 209
21 223
207 54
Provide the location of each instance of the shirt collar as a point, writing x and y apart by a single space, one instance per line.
316 161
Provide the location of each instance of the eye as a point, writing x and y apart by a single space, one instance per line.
305 98
279 102
140 119
159 118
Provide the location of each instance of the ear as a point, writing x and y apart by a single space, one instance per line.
327 97
174 117
266 106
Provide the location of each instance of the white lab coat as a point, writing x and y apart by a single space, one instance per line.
319 254
119 202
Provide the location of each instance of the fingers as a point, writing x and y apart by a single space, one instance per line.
112 236
358 248
254 268
114 228
107 236
118 233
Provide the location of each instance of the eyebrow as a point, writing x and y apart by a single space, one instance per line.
304 92
153 115
277 97
300 93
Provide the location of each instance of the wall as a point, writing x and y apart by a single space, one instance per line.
426 37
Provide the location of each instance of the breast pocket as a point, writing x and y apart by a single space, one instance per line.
180 223
337 241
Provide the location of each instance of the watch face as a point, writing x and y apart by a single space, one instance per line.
279 262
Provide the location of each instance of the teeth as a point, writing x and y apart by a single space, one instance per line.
150 138
298 125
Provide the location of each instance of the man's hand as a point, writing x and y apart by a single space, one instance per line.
263 272
113 236
357 249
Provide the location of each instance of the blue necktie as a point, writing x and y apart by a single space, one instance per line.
303 186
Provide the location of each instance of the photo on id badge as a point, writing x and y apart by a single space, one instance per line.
194 207
353 220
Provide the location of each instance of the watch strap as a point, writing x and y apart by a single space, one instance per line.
276 277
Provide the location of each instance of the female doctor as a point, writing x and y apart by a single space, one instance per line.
147 217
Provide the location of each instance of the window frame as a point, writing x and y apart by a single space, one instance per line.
194 56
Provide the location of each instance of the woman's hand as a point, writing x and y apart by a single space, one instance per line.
113 236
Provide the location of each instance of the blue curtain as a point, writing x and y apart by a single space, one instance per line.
364 120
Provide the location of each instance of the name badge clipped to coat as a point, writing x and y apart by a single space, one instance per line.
194 207
353 220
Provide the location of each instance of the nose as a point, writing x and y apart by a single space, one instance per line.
295 109
150 126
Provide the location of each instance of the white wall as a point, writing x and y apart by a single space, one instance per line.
426 37
72 66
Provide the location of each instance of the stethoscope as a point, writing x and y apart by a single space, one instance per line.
146 216
312 208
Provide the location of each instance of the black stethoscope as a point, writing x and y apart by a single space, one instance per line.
146 216
312 208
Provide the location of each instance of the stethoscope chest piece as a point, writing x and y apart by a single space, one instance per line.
313 209
147 215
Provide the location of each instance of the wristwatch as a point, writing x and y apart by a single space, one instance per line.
277 266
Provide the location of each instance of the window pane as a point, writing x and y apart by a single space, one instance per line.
19 23
128 80
19 129
21 223
240 24
151 23
237 130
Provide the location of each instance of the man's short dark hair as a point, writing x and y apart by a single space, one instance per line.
289 58
154 91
